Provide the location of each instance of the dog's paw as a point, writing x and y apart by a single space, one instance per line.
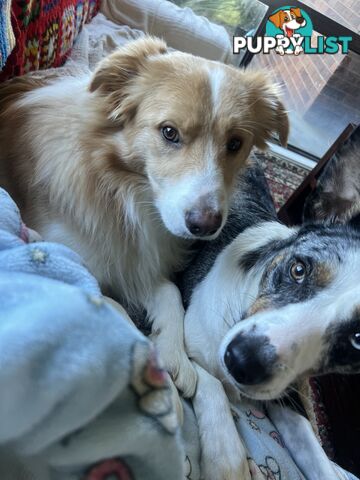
176 402
181 370
183 374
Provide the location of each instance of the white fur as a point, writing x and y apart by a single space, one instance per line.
297 333
223 455
182 195
220 300
216 76
297 330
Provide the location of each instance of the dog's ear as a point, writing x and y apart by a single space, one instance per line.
114 74
296 12
336 197
269 113
277 18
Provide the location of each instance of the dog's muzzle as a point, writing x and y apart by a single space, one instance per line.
203 222
250 359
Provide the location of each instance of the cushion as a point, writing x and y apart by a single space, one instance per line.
45 31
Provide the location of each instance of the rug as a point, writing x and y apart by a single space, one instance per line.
283 176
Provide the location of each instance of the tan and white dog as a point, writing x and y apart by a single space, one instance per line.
288 21
130 164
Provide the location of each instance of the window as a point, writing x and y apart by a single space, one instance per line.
320 91
235 15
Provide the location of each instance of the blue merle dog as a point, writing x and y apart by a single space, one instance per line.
267 304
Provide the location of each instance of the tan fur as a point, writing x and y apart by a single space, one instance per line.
261 304
85 159
323 275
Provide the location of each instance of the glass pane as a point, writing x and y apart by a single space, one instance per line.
241 16
238 17
321 93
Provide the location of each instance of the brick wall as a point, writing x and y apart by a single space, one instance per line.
324 89
345 12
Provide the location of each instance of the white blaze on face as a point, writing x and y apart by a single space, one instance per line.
189 192
204 186
217 79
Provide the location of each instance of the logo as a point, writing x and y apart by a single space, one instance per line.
289 31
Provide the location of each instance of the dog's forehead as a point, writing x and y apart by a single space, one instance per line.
320 243
323 241
199 91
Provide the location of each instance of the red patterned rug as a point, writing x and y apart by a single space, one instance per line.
283 176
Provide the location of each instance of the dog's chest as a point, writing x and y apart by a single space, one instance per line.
140 263
127 260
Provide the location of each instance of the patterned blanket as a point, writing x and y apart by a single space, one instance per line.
41 32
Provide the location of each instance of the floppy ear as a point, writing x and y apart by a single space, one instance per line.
337 194
277 18
296 11
269 113
114 74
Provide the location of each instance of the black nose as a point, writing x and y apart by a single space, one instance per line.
250 359
203 222
299 19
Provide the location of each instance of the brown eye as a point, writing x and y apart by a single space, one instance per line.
298 272
234 144
170 134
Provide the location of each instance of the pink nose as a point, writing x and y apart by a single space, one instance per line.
203 222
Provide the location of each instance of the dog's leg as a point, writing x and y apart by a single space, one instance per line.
166 312
302 443
223 455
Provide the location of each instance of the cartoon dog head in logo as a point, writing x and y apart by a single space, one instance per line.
288 20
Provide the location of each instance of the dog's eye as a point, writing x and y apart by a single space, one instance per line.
355 340
298 271
286 19
234 145
170 134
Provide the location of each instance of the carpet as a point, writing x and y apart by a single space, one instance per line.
282 175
